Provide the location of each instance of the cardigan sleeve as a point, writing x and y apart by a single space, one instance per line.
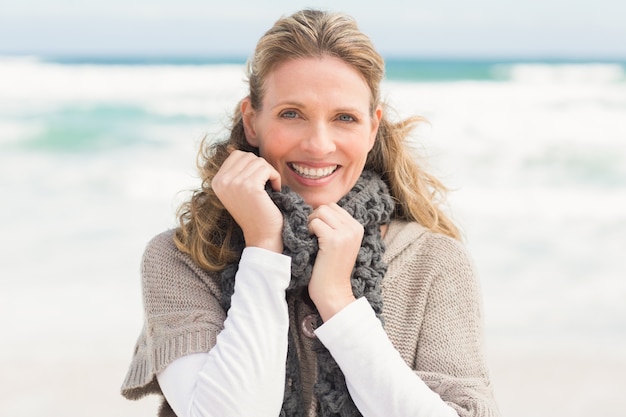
433 316
244 373
432 312
449 357
181 310
239 351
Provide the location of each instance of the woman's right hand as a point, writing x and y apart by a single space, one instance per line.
240 186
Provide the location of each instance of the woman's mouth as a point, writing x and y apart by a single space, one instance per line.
313 173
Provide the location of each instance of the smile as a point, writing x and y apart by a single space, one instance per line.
313 173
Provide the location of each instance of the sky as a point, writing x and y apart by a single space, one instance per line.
443 28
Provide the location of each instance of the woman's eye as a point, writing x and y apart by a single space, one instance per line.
346 118
289 114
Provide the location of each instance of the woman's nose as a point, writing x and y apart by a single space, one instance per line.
319 140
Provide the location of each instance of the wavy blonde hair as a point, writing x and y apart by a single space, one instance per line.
207 231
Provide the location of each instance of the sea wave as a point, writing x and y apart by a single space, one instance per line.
540 73
29 78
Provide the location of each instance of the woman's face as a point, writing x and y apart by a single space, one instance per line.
314 126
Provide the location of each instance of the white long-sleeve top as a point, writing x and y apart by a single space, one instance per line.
244 373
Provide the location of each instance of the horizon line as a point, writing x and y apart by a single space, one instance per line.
148 58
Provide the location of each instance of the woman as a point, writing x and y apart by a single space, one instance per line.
313 273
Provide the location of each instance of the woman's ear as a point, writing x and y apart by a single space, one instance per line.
247 116
378 115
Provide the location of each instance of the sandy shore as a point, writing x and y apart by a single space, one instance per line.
553 381
559 380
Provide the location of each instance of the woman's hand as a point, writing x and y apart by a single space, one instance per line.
339 236
240 186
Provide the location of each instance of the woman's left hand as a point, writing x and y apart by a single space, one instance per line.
339 237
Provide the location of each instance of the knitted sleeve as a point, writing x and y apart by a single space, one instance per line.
449 354
182 314
433 316
244 373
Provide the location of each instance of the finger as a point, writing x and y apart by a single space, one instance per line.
275 180
234 160
333 215
256 168
261 171
242 167
319 227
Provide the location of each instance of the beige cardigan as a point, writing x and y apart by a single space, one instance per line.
432 315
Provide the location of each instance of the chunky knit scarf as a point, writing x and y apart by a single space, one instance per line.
369 203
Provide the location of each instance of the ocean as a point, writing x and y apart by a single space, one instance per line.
96 154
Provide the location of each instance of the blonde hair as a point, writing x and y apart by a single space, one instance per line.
207 231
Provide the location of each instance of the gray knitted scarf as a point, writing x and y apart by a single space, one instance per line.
369 203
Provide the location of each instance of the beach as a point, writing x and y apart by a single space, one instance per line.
95 158
529 382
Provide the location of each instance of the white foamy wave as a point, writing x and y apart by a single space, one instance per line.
521 134
562 73
12 131
29 80
17 59
550 204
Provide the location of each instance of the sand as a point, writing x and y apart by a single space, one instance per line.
529 381
559 380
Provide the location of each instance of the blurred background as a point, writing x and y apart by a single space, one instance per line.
103 105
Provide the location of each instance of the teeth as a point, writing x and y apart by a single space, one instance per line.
314 173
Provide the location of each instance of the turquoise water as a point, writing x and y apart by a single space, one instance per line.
94 127
408 69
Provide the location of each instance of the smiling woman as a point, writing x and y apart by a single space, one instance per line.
315 126
313 272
